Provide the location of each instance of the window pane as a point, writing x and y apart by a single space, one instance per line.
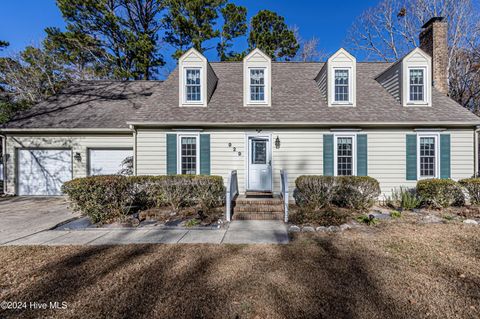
344 156
259 152
416 85
257 85
189 155
427 157
193 85
341 86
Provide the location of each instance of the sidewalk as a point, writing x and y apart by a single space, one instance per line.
238 232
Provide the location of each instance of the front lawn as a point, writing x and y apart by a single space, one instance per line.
388 271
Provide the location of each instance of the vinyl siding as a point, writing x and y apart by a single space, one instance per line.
211 81
151 152
391 81
77 143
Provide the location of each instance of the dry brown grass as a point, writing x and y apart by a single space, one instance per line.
390 271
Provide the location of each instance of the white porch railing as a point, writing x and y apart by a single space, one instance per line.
231 193
284 193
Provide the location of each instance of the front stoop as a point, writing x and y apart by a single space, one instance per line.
247 208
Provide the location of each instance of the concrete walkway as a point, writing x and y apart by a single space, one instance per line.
238 232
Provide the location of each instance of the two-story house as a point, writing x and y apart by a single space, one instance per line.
391 121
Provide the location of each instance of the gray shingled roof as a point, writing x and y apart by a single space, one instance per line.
295 99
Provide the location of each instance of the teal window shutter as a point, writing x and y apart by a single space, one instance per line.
328 168
171 154
205 154
362 156
411 157
444 155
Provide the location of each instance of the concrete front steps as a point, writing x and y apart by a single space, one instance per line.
258 208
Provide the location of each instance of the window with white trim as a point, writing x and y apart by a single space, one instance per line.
417 85
345 155
188 154
342 86
193 87
427 156
257 85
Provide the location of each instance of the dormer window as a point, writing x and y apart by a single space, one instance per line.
257 75
337 79
196 80
193 87
257 85
417 85
342 86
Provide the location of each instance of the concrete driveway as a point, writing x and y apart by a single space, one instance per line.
23 216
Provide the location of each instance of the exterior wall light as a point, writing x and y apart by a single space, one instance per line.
277 143
77 157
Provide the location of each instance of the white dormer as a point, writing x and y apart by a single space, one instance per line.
416 78
196 79
341 79
257 74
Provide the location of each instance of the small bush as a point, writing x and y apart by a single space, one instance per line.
395 214
357 192
472 185
315 192
405 198
370 220
440 193
102 198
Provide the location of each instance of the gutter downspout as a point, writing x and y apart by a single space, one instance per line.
475 150
132 127
4 161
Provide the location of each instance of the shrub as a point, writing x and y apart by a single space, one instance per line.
440 193
100 197
370 220
105 197
405 198
357 192
395 214
472 185
315 191
209 192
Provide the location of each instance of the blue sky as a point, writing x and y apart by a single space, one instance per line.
22 21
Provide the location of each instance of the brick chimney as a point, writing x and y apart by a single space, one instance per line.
434 41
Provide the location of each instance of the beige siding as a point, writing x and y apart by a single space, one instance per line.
77 143
387 158
462 154
391 81
151 152
300 153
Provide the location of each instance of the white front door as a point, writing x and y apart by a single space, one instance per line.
259 164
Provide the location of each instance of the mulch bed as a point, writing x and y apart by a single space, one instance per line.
390 271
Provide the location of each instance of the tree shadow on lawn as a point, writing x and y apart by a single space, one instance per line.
301 280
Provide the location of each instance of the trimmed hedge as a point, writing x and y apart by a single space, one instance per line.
472 185
356 192
106 197
440 193
102 198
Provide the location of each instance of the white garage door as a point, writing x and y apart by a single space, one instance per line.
42 171
108 162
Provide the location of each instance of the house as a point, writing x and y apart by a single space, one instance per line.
391 121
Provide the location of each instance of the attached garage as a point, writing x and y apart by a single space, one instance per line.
43 171
108 161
